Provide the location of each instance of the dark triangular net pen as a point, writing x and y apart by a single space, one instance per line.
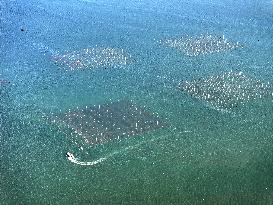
91 126
103 123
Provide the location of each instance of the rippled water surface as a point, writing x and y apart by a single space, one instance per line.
104 62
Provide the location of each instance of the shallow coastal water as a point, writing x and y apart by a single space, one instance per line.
204 155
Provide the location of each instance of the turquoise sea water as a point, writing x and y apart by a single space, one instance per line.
203 157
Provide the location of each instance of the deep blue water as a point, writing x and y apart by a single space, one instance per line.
203 157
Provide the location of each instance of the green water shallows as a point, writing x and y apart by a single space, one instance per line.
184 165
205 157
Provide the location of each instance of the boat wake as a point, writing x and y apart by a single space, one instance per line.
73 159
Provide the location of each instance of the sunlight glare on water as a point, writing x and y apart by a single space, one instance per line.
136 102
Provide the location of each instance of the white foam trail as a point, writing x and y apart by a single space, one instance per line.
73 159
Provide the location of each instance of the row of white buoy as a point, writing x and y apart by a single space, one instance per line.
203 44
228 89
93 57
84 129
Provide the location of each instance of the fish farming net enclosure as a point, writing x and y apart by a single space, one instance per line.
228 90
92 58
201 45
116 102
96 125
